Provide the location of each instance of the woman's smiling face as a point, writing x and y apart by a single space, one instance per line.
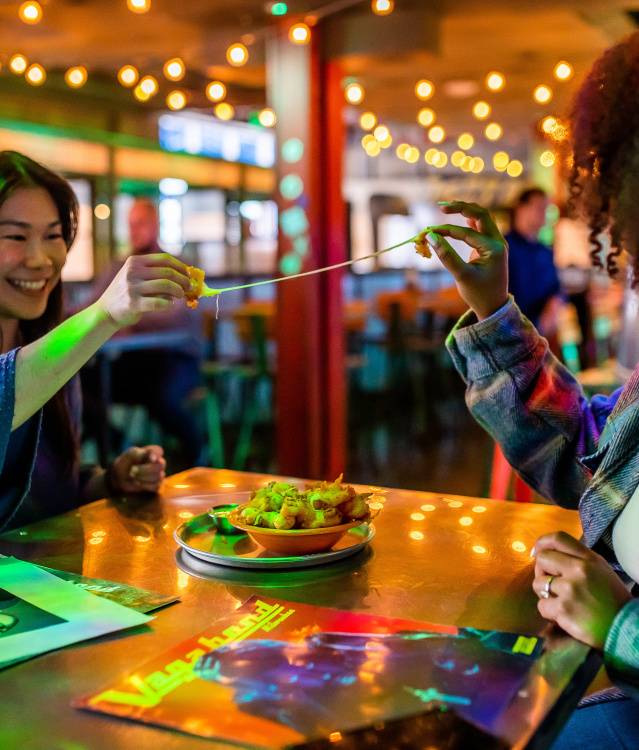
32 253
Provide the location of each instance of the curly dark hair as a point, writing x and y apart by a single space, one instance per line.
603 174
19 171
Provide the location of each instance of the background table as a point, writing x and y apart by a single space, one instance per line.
442 559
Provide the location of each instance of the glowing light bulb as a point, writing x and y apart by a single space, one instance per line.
128 75
237 55
354 93
267 118
139 6
35 75
149 85
299 34
426 117
383 7
368 121
174 69
542 94
515 168
30 12
563 71
216 91
76 77
547 159
436 134
224 111
493 131
465 141
500 161
176 100
481 110
424 89
381 133
495 81
18 63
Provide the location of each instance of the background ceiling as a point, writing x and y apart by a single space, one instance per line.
442 41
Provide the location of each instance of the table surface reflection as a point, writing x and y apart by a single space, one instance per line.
443 559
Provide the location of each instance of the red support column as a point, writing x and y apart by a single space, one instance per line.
310 395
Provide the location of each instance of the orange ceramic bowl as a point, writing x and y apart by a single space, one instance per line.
292 542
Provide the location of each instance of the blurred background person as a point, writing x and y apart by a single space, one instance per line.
161 376
532 276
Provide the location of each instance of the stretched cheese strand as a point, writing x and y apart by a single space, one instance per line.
208 292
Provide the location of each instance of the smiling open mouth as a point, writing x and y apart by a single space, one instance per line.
31 286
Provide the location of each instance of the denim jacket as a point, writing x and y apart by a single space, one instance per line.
579 454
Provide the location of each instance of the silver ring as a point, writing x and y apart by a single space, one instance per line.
545 592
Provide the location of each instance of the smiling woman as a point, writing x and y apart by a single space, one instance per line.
39 416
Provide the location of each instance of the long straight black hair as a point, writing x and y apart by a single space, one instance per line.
18 171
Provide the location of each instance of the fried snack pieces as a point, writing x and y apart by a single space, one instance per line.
283 506
422 246
197 276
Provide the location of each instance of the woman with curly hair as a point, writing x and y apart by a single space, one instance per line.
579 454
39 417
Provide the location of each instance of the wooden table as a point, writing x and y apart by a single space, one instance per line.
444 559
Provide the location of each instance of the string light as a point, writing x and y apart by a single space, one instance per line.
481 110
149 85
495 81
430 155
18 63
237 55
102 212
368 138
440 160
176 100
174 69
216 91
515 168
224 111
426 117
457 158
547 159
500 161
76 77
542 94
299 34
267 118
368 121
387 142
476 165
548 124
493 131
383 7
402 150
412 155
354 93
424 89
465 141
140 94
563 71
128 75
139 6
381 133
373 148
436 134
35 75
30 12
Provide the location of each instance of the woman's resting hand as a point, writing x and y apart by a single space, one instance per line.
585 592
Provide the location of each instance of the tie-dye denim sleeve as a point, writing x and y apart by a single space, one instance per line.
621 652
528 401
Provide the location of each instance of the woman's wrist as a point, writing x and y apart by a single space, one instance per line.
489 311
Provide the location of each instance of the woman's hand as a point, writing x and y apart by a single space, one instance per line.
138 470
483 281
145 283
585 594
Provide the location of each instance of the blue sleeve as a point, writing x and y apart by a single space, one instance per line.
7 399
621 652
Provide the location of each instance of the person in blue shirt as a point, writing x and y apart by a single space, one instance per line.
39 354
532 276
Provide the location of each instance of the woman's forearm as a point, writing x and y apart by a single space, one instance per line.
45 365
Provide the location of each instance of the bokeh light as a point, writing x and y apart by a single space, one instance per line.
547 159
493 131
436 134
76 77
139 6
35 75
481 110
382 7
174 69
299 34
500 161
30 12
224 111
563 70
267 118
515 168
128 75
176 100
18 63
237 55
426 117
465 141
216 91
424 89
495 81
542 94
354 93
368 121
